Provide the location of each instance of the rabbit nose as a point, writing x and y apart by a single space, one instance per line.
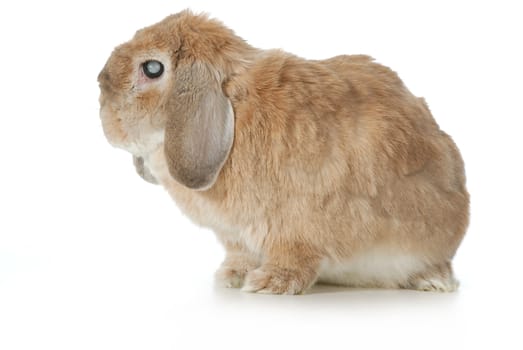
104 79
102 75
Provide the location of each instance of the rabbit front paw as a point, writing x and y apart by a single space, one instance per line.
272 279
229 277
233 270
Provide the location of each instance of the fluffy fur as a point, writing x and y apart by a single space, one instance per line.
306 170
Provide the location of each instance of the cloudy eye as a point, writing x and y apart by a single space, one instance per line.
153 69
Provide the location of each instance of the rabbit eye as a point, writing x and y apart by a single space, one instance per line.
153 69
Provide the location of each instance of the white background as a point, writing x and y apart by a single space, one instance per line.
92 257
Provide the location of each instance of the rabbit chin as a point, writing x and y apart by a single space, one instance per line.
142 146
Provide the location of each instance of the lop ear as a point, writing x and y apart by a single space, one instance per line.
200 127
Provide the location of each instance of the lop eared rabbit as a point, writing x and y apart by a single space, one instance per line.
307 171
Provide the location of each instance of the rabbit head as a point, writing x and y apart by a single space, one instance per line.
164 89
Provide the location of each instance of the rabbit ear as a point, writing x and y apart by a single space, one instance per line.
200 126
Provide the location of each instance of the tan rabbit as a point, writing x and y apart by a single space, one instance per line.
307 171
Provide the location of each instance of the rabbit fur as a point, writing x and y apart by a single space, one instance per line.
306 170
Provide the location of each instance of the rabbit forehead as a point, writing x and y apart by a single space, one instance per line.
155 39
184 28
157 42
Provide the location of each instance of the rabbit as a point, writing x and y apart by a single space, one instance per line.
308 171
